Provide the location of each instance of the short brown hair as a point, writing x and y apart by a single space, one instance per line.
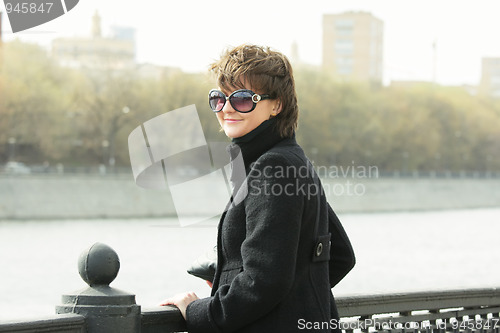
265 70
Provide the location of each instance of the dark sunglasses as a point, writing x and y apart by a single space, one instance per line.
242 100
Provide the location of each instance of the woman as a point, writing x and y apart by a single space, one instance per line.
275 266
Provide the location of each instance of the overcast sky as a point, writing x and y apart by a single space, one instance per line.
191 33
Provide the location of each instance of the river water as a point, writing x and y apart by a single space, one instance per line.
395 252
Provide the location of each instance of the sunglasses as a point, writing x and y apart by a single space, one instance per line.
242 100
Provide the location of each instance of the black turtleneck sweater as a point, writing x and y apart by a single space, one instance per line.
256 142
248 148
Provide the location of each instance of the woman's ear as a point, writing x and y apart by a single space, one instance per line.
276 108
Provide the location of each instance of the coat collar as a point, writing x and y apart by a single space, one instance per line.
253 144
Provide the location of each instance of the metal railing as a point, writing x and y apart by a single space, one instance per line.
103 309
429 311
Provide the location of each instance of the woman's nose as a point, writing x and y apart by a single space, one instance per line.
228 108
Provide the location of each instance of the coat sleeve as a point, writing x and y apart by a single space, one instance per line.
342 258
274 209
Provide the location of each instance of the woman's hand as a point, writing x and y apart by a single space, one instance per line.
181 301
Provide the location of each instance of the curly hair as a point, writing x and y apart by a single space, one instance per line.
266 71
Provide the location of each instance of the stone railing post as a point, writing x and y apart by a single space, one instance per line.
107 310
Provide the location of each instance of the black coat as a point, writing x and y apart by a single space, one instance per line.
266 279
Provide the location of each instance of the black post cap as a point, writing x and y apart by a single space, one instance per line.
98 265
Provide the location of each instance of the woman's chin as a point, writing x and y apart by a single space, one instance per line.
232 133
232 136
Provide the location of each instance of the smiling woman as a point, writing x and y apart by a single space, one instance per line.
260 85
275 263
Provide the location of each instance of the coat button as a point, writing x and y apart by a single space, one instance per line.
319 249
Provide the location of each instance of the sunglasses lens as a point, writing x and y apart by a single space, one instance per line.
216 99
242 101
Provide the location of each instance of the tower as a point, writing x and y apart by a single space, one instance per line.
96 25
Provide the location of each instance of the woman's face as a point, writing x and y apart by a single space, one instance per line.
236 124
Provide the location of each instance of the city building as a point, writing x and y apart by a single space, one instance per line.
96 51
353 46
490 77
1 28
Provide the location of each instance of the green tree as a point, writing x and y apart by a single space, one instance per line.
34 101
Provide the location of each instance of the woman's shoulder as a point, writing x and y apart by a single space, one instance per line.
289 148
287 152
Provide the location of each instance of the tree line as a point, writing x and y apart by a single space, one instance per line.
82 117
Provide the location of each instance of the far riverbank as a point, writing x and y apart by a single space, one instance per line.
41 196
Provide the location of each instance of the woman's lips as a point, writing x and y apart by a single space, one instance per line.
232 120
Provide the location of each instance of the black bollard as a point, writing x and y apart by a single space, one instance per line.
106 309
